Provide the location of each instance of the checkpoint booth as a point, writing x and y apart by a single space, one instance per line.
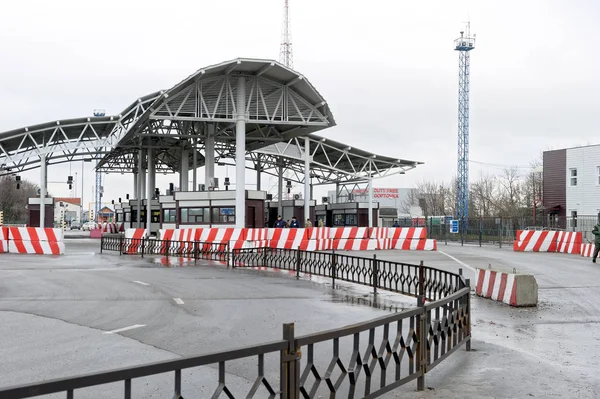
290 208
355 214
132 214
33 212
190 209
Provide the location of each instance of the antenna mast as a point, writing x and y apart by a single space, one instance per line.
464 44
286 57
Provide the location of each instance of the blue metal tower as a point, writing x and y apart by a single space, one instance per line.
463 45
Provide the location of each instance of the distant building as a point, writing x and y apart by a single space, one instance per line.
571 181
106 215
71 207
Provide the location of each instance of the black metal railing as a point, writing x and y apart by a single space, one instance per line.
147 246
367 359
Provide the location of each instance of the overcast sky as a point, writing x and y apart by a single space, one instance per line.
387 68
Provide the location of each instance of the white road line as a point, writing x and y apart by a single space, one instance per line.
460 262
141 282
118 330
178 301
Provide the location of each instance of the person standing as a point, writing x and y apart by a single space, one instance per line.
295 224
308 223
596 232
279 223
320 223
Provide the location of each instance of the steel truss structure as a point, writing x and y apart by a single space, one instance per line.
281 108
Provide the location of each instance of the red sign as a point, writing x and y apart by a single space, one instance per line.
378 192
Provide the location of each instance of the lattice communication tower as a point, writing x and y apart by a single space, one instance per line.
464 45
286 56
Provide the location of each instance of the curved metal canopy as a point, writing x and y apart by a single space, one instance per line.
281 106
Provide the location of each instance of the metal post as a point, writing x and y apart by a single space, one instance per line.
258 170
121 245
143 245
468 313
306 179
138 192
421 344
333 268
240 155
43 185
101 243
194 165
298 262
280 190
500 234
370 197
209 154
421 280
480 232
375 274
150 192
290 365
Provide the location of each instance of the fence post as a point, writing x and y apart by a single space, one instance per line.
195 251
468 315
421 344
290 365
264 262
333 268
232 260
421 280
227 253
480 232
375 274
121 244
298 260
143 245
101 243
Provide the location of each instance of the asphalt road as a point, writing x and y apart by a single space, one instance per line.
61 316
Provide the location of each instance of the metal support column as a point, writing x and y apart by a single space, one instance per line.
194 165
280 191
135 182
184 175
370 198
138 191
150 192
240 155
258 170
306 179
336 194
43 185
209 155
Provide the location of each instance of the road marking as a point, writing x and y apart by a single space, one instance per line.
178 301
460 262
141 282
118 330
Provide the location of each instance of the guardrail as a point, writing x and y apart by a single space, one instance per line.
148 246
364 360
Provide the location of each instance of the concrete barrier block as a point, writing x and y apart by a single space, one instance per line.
514 289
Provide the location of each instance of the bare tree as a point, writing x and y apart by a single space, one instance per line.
13 201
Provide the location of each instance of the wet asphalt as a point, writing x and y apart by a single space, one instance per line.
86 311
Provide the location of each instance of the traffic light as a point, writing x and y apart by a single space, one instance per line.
18 180
91 216
1 217
70 182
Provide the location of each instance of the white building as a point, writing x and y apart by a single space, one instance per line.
71 208
583 181
388 198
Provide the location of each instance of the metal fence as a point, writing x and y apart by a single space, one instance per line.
502 231
148 246
366 360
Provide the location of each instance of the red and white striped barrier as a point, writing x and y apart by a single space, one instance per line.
317 233
339 233
509 288
535 241
379 233
407 233
110 228
257 234
407 245
316 245
135 235
3 239
569 242
351 244
34 240
258 244
286 238
587 250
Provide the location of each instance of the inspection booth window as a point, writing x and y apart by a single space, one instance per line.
195 215
223 215
169 215
134 216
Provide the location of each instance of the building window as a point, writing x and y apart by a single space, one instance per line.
223 215
573 173
155 216
195 215
169 215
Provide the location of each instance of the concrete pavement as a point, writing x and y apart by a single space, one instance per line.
56 313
